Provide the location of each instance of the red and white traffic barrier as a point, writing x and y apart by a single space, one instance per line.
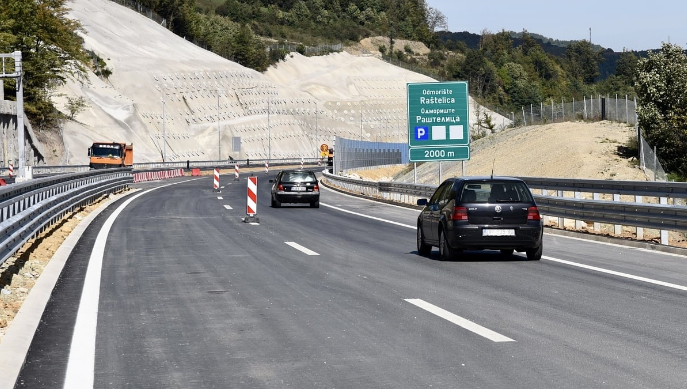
267 167
11 170
252 200
216 180
155 176
301 162
236 172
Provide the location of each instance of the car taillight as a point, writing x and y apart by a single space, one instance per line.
459 213
316 188
280 187
533 213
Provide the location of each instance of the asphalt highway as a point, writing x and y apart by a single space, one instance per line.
185 294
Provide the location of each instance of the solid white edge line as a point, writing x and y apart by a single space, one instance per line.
301 248
630 276
368 216
81 365
616 273
461 322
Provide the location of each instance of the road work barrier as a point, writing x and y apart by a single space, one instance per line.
252 200
236 172
215 184
158 175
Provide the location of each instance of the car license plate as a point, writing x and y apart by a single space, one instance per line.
498 232
298 189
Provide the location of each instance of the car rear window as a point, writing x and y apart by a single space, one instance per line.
299 177
495 192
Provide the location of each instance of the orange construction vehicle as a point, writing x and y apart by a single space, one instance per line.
106 155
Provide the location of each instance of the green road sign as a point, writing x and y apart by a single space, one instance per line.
430 154
438 116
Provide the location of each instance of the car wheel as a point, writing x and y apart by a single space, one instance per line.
315 204
446 252
507 252
275 203
535 253
423 248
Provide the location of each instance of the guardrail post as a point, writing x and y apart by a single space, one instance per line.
640 230
664 233
597 225
561 221
547 219
579 224
617 229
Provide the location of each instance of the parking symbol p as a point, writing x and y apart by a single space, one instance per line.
421 133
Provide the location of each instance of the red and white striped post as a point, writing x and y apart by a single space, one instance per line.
301 162
267 167
11 172
252 200
236 172
216 181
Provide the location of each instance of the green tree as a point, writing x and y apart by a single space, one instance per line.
249 51
626 67
51 52
583 61
661 86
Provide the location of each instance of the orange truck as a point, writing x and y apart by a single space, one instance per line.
105 155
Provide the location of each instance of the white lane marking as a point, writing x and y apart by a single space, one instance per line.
462 322
616 273
220 198
369 200
81 364
228 206
301 248
637 278
368 216
626 247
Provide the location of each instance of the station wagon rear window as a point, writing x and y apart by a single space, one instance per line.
495 192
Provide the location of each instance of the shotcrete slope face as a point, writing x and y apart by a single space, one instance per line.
287 112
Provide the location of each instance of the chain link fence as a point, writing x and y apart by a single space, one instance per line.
593 108
649 162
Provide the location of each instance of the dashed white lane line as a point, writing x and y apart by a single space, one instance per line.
301 248
220 198
616 273
459 321
228 206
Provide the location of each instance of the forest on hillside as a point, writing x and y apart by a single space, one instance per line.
503 69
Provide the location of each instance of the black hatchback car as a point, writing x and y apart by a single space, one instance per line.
480 213
295 186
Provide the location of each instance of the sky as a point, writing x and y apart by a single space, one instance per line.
631 25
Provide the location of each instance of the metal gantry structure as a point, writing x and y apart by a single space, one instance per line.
16 72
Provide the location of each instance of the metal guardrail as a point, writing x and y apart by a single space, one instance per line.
28 208
658 216
150 166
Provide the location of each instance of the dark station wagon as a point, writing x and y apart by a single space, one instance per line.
295 186
480 213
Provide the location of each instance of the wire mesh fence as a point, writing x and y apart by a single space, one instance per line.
649 162
616 108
